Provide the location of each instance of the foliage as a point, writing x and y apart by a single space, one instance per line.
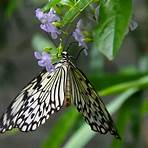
107 32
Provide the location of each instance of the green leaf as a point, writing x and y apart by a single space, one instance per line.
145 107
61 129
74 11
10 133
123 118
11 7
107 79
130 111
80 137
50 4
136 107
86 132
139 83
114 17
39 42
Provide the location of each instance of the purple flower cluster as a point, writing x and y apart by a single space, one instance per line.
44 60
47 24
77 34
47 20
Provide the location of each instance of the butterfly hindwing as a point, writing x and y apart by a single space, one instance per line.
43 96
90 104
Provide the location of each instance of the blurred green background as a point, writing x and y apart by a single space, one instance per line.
123 82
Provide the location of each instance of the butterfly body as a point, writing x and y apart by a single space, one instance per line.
49 92
68 92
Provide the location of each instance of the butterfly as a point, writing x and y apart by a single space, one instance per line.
49 92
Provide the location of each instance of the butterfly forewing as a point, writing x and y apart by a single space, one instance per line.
43 96
90 104
48 92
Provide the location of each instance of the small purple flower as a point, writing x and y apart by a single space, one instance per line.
44 60
47 20
77 34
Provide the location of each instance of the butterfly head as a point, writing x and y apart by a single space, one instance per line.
65 55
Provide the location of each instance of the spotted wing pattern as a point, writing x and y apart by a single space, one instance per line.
90 104
43 96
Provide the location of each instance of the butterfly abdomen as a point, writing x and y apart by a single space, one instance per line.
68 92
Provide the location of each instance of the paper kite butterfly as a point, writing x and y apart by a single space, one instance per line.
49 92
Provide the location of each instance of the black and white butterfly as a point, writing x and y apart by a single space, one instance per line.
49 92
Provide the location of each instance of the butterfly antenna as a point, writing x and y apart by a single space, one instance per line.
68 38
72 43
66 42
78 54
